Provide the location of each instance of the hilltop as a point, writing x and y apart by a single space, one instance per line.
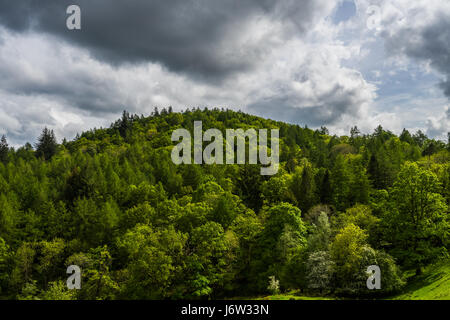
141 227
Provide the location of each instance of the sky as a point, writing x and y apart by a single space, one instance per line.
330 63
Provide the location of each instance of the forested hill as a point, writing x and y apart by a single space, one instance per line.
140 227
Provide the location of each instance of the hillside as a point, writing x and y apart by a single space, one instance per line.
139 226
434 284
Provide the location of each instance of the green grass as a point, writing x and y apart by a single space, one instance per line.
292 295
433 284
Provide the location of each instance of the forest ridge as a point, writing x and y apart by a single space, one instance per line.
140 227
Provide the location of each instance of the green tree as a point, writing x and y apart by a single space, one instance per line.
325 188
97 279
284 234
361 216
248 184
5 257
320 269
340 183
319 240
418 222
420 138
58 290
154 262
276 189
430 148
50 260
4 149
23 266
308 196
347 252
8 218
46 146
210 260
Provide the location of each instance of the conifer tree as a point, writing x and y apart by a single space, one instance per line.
308 195
47 145
4 149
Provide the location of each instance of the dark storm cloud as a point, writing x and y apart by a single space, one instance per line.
431 43
191 36
282 110
333 107
82 88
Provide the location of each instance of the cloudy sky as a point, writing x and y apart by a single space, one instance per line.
312 62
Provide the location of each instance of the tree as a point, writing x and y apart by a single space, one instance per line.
448 141
418 222
125 124
359 181
283 235
355 283
303 186
381 169
58 291
405 136
154 261
249 183
274 285
355 139
7 218
95 224
5 257
276 190
430 148
225 210
340 183
4 149
97 282
324 130
47 145
78 185
325 188
247 228
391 277
354 132
140 214
347 252
319 240
375 172
419 137
308 195
50 261
208 265
320 270
278 217
361 216
23 269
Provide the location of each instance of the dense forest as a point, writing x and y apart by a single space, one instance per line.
140 227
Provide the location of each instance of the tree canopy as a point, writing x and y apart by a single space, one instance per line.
140 227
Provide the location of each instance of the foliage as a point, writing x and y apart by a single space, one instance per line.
274 285
418 223
140 227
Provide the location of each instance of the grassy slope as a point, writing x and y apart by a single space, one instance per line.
434 284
